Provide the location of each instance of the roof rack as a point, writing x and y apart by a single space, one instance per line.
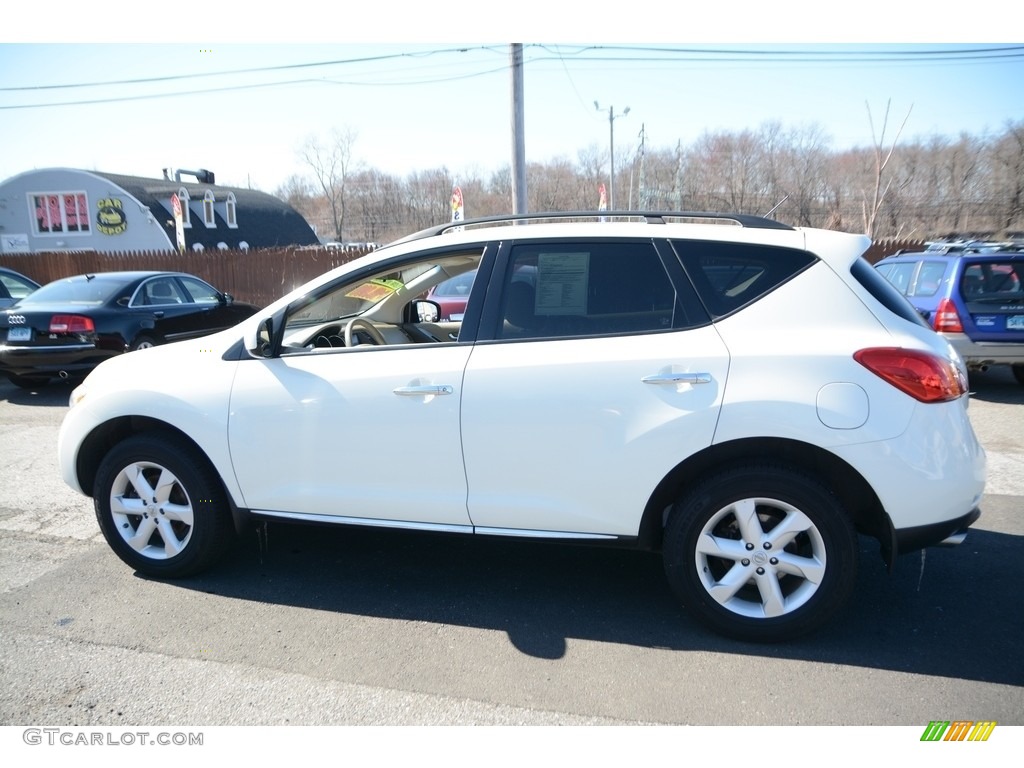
650 217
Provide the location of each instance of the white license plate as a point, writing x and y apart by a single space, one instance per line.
25 334
1015 323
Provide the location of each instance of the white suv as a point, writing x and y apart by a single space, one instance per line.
741 395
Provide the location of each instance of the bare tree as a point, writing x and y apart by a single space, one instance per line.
1007 176
881 185
926 189
331 162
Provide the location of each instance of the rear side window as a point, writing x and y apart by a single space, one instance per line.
900 274
929 279
564 289
885 292
731 275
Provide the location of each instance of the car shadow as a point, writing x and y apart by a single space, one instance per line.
953 613
55 393
996 385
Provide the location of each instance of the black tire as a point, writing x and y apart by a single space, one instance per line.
186 517
1018 372
29 382
142 342
732 577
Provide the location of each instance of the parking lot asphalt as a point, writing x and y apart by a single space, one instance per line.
314 626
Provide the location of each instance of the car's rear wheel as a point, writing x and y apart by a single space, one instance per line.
161 507
142 342
761 553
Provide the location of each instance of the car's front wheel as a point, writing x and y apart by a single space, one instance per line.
161 507
761 553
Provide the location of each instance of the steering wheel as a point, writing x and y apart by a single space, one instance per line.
357 322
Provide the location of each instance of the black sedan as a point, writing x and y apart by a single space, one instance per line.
69 326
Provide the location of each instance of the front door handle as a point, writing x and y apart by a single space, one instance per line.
678 378
430 389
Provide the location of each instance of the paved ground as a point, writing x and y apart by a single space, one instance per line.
355 627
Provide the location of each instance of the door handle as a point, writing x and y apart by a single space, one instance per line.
678 378
430 389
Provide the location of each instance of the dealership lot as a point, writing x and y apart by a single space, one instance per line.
316 626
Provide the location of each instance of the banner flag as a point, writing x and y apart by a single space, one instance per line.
458 211
179 223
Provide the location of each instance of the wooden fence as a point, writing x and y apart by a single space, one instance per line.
257 276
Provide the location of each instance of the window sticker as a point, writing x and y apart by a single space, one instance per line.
375 290
562 280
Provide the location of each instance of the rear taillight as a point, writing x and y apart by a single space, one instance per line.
71 324
947 319
922 375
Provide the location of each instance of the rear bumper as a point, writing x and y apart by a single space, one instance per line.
50 361
945 533
979 353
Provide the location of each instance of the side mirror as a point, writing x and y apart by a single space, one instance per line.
266 342
424 311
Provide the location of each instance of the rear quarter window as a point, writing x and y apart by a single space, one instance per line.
885 292
729 276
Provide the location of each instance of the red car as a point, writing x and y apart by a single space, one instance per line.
452 295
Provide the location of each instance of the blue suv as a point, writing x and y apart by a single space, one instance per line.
975 298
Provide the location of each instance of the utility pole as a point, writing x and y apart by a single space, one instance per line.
611 147
644 197
518 130
679 176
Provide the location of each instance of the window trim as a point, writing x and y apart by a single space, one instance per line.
231 211
186 213
209 217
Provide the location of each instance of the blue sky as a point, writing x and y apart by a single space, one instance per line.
421 97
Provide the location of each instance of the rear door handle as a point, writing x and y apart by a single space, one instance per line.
678 378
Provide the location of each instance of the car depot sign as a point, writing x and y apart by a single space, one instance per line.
110 219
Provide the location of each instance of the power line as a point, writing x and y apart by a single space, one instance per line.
251 70
593 53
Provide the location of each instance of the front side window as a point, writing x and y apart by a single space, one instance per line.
381 297
555 290
60 213
200 292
